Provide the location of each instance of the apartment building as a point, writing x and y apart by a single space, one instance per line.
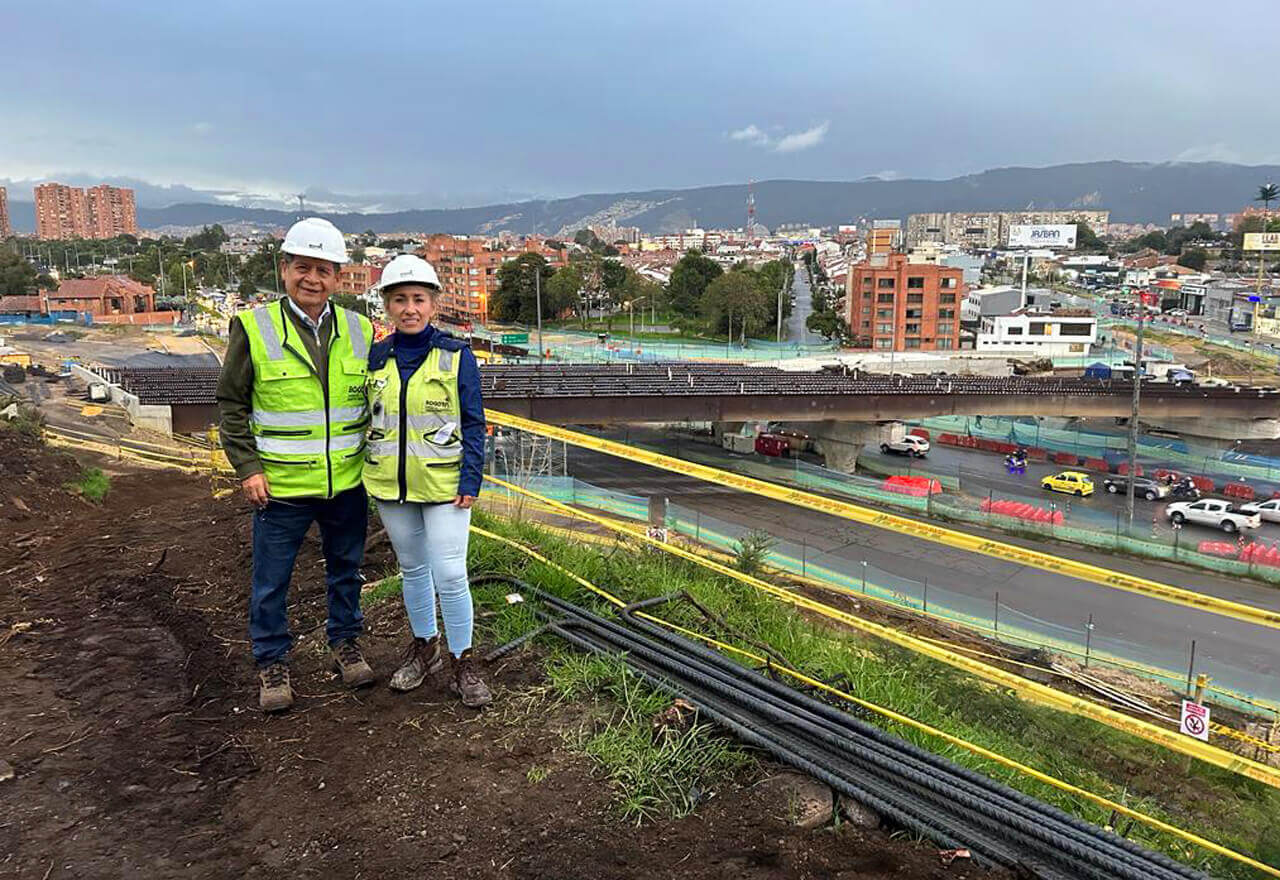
6 229
990 229
468 271
72 212
896 305
355 279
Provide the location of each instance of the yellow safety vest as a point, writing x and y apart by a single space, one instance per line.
414 451
310 436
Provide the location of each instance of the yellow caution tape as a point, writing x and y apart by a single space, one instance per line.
1039 776
901 524
1029 690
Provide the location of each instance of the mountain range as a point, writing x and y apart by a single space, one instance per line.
1134 192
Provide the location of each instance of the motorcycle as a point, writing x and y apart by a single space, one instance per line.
1015 464
1184 491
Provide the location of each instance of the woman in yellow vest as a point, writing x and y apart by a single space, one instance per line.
423 466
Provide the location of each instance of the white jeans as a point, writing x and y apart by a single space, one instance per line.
430 541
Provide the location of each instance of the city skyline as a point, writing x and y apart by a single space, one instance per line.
553 101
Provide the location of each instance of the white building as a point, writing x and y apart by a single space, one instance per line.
1044 334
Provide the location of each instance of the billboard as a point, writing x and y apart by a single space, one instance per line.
1262 241
1059 236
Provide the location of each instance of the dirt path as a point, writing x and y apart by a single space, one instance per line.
127 714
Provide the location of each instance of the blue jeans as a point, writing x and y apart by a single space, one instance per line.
278 530
430 541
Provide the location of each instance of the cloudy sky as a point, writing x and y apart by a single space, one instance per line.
448 104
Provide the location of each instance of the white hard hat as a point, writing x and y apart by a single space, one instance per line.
315 237
408 269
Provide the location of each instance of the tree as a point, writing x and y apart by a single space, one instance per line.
1194 258
247 289
734 304
516 296
357 254
689 279
17 276
207 239
828 325
1087 239
568 285
352 302
1267 193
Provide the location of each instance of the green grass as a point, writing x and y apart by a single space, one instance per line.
654 777
93 484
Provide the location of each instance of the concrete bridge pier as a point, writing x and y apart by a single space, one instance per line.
841 442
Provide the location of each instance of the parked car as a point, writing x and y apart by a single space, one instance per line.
1071 482
1143 487
910 444
1269 510
1212 512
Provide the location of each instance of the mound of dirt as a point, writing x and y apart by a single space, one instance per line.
127 711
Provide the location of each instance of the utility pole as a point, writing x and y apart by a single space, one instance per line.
781 288
1133 413
537 296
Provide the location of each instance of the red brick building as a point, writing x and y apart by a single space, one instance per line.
356 278
71 212
468 273
894 305
6 229
103 296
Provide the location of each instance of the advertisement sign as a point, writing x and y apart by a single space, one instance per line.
1057 235
1195 720
1262 241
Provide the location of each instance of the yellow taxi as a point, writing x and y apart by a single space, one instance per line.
1070 482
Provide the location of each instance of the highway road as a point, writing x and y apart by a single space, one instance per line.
981 473
1236 654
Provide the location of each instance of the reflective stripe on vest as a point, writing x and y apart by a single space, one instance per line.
304 452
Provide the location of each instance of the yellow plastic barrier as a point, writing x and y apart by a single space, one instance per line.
1031 772
901 524
1028 690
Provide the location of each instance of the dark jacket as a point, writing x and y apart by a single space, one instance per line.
409 357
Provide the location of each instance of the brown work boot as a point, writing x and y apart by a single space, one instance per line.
274 692
348 659
421 658
466 682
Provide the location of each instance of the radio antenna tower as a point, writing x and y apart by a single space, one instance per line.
751 209
302 204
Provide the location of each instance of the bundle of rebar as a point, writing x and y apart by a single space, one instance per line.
911 788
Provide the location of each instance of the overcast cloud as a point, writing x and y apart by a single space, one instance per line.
462 104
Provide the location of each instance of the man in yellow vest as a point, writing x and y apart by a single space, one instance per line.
293 417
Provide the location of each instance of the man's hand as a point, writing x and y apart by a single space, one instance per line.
255 490
464 501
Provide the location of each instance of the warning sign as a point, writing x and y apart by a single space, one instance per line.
1195 720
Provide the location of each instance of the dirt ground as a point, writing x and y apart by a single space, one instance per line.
128 718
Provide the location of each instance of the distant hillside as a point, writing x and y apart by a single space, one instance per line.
1133 191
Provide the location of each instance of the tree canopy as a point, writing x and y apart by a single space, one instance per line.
18 277
517 293
689 279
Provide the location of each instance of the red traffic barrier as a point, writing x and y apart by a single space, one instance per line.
1021 510
918 487
1123 468
1065 458
1204 484
1035 453
1259 554
1239 491
920 432
1218 548
948 439
1100 464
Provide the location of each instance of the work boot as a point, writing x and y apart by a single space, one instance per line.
466 682
348 659
274 692
421 658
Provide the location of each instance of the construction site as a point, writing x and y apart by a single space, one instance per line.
667 703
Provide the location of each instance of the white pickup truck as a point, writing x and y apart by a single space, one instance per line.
1212 512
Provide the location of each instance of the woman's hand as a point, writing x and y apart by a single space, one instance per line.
464 501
